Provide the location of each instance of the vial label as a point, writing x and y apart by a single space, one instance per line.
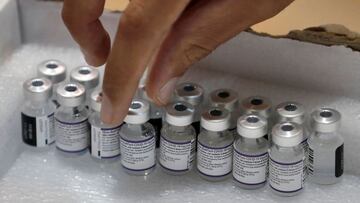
214 162
250 169
177 156
105 142
72 137
38 131
157 123
339 161
310 167
304 144
138 155
286 177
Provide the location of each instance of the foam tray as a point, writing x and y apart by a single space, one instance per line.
28 175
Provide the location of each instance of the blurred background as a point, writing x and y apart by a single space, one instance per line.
299 15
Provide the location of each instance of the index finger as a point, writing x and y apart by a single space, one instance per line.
142 28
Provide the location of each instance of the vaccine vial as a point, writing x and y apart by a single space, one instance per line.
137 140
71 120
326 147
215 145
88 77
177 141
294 112
105 142
250 160
228 99
258 105
37 114
286 160
193 94
55 71
156 115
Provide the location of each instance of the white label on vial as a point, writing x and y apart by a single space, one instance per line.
38 131
105 142
72 137
45 130
214 162
286 177
177 156
138 155
250 169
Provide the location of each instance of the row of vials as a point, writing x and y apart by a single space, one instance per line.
222 139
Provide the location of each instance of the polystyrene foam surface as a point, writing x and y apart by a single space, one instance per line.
47 177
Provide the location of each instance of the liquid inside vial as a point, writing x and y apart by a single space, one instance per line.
250 159
177 142
137 146
215 148
286 167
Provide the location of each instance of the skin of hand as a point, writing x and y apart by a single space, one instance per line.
166 36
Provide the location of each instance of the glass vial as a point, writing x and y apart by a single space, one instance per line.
137 140
55 71
215 145
258 105
250 160
71 120
228 99
105 142
177 141
286 161
88 77
326 147
37 114
156 114
193 94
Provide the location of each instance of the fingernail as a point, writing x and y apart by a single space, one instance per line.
166 91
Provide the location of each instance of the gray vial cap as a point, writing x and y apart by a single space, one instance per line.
226 98
325 120
53 70
85 75
257 105
252 126
71 94
96 99
189 92
290 111
37 89
287 134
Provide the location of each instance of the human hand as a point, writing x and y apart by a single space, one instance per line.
166 35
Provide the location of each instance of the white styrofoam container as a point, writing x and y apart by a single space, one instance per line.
282 69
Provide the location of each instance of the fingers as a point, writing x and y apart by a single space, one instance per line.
142 28
203 27
81 19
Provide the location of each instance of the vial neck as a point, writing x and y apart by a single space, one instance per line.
135 127
250 141
72 110
284 149
215 133
36 104
325 136
177 129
